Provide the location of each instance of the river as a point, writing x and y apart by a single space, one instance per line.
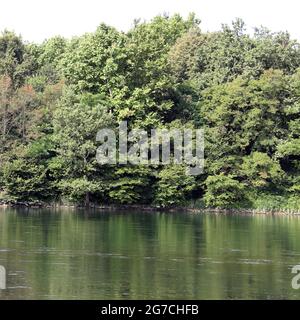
78 254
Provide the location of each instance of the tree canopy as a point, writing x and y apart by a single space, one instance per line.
243 90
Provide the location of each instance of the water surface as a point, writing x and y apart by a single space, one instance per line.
69 254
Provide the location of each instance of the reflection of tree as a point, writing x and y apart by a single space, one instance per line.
68 254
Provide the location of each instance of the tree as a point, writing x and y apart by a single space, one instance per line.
6 92
243 116
223 191
243 90
15 59
151 95
128 184
260 171
94 62
24 180
76 123
174 186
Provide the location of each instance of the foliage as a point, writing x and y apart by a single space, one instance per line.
243 90
173 186
260 170
223 191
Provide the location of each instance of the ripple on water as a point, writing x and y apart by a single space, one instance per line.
255 261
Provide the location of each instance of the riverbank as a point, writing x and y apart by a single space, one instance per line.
147 208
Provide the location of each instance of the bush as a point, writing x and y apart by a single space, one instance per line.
223 191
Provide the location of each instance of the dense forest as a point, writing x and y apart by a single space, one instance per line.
243 90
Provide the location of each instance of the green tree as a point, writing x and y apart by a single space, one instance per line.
260 170
76 123
223 191
128 185
174 186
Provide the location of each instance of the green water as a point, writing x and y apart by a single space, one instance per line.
86 255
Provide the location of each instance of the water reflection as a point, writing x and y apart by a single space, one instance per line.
67 254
